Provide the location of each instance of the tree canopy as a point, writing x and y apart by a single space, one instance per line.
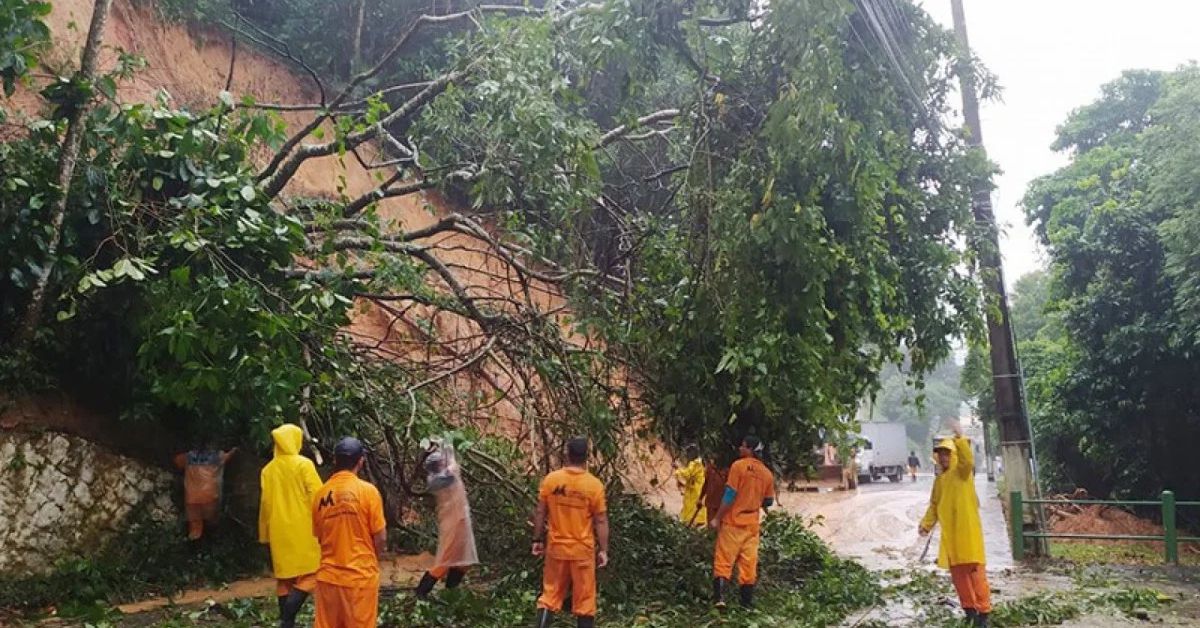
749 210
1112 371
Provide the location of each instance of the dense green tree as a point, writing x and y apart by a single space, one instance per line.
1121 382
22 34
752 207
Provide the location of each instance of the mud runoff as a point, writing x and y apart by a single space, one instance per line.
877 524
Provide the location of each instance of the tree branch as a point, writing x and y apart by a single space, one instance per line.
617 133
284 167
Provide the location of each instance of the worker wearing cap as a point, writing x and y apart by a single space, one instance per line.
289 482
750 487
347 519
571 504
954 504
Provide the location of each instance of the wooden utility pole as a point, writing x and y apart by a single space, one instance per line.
1016 442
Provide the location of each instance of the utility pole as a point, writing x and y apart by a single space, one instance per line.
1016 443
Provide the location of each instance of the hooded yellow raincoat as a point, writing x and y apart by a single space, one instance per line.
954 504
285 513
691 478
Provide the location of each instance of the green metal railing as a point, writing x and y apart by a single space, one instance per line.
1167 503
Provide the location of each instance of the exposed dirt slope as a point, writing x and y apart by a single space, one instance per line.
194 66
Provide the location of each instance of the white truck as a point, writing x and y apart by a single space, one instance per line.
883 452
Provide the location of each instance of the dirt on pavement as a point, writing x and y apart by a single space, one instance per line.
395 571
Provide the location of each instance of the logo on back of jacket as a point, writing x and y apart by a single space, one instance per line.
569 497
342 501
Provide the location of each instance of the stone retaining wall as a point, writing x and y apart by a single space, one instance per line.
61 496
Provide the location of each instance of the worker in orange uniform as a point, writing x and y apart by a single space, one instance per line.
750 487
456 538
954 504
571 501
347 519
203 477
690 480
288 483
713 490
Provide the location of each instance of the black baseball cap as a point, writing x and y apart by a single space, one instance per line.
349 448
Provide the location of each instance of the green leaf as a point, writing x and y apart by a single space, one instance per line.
248 193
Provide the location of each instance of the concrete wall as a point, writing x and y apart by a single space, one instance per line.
61 496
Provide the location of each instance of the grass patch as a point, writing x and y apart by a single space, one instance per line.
148 558
1127 553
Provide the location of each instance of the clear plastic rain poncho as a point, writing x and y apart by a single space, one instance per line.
456 539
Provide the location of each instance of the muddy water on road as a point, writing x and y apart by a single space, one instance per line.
877 524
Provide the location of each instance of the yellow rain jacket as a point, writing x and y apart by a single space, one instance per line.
692 479
954 504
285 512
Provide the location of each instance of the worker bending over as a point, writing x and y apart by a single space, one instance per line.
571 505
750 487
289 482
456 539
203 478
690 479
954 504
347 518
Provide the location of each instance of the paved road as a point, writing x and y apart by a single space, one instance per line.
877 524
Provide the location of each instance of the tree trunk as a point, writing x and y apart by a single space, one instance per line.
356 59
67 160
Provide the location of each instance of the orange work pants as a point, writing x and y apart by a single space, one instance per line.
739 545
199 514
306 583
579 576
970 580
346 607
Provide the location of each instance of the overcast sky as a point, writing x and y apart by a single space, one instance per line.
1052 56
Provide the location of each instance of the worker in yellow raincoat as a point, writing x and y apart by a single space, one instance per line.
954 504
285 521
690 480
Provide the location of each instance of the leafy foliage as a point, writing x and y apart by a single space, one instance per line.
754 255
22 33
660 577
1120 380
146 558
805 245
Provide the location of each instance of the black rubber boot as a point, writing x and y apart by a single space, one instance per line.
290 607
981 620
746 593
972 616
585 621
455 578
282 605
425 586
719 585
544 618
